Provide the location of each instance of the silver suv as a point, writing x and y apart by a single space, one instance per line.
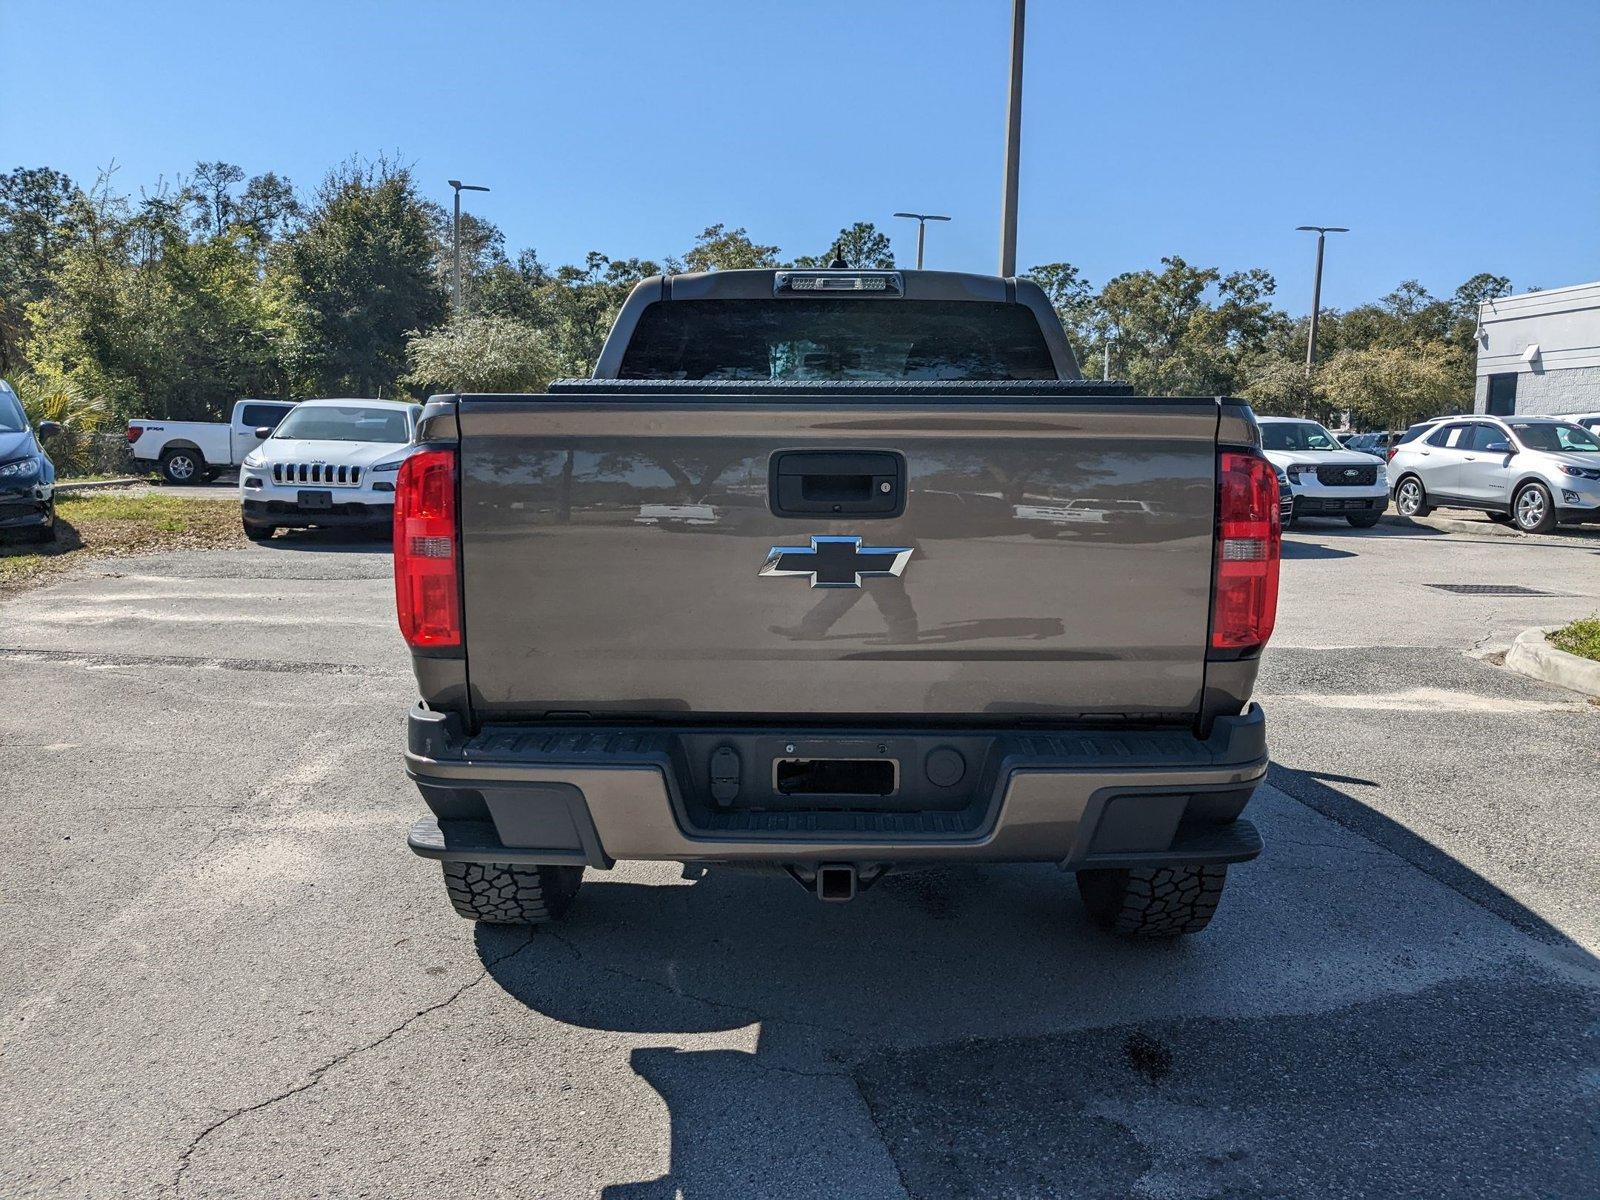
1532 472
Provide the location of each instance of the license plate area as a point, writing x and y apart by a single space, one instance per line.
316 500
835 776
757 771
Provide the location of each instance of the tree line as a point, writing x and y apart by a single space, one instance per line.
175 302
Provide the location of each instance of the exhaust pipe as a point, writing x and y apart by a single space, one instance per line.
836 882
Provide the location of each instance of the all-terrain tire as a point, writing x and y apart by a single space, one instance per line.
1153 902
503 894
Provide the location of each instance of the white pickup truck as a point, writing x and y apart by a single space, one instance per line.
194 451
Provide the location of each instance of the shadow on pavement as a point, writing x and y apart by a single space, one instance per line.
333 541
834 1034
1312 789
1389 527
1293 548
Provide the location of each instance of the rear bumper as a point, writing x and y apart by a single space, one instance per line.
595 796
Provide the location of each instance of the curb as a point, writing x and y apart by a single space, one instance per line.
1532 654
1452 525
91 485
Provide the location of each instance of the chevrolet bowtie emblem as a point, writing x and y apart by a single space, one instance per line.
836 561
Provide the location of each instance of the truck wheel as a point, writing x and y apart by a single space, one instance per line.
503 894
1532 510
1153 902
1364 520
182 466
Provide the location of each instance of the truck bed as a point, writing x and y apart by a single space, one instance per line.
614 536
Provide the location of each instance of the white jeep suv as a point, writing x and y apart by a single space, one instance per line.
1531 472
1327 480
330 462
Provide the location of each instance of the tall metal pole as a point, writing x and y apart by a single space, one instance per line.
1008 212
922 220
1316 306
1322 232
1105 361
455 250
455 241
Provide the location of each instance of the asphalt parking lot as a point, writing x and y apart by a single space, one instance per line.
224 975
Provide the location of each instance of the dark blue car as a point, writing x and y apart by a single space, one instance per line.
27 476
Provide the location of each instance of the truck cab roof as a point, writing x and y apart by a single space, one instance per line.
830 286
329 401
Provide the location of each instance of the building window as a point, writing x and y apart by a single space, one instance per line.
1502 394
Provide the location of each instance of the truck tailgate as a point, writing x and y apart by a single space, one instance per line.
1060 559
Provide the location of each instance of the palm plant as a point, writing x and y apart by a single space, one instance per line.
81 418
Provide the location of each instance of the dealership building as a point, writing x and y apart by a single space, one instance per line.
1539 353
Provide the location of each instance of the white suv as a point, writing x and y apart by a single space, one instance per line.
1589 420
1327 481
1532 472
329 463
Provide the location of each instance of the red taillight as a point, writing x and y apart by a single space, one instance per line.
427 588
1249 544
1389 456
135 432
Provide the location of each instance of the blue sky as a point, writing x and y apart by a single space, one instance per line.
1452 137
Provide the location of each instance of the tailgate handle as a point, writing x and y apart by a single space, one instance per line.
860 483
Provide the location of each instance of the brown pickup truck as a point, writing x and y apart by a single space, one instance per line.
840 572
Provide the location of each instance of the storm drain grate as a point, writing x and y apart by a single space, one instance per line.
1489 589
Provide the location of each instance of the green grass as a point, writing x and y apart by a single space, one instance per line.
163 511
112 522
1581 638
102 477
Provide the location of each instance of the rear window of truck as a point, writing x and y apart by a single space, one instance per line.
254 416
819 340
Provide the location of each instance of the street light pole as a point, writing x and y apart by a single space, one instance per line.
455 240
1008 212
1322 232
922 220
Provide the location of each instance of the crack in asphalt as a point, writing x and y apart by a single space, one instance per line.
754 1060
319 1073
1279 839
23 654
127 808
883 1136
